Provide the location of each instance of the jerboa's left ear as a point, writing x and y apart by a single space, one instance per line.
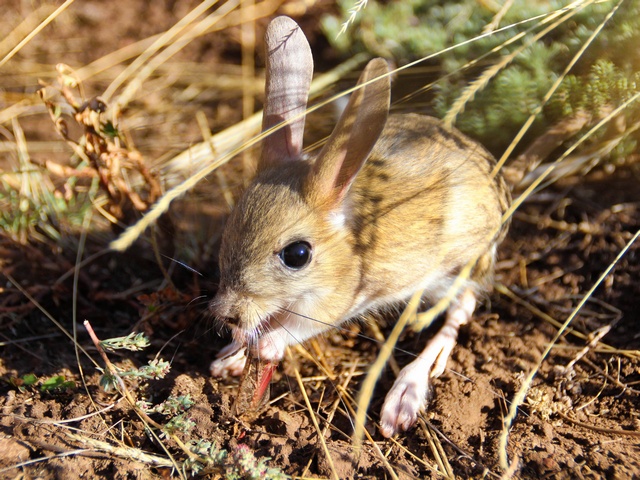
353 137
289 68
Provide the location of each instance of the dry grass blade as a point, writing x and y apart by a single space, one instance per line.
521 393
69 453
248 43
28 25
376 448
261 10
543 19
46 313
152 64
552 166
366 391
35 32
312 414
160 42
602 347
610 431
436 450
581 163
498 16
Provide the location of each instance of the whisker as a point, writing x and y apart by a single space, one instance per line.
346 330
182 264
197 298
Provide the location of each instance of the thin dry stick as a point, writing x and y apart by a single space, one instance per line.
521 393
201 118
436 452
33 461
552 166
74 309
35 32
46 313
339 399
497 18
419 460
334 473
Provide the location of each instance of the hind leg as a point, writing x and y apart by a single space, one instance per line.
408 395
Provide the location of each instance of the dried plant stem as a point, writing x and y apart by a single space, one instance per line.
152 64
130 453
264 8
436 449
552 166
366 391
611 431
45 313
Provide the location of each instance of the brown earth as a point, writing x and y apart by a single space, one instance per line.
580 420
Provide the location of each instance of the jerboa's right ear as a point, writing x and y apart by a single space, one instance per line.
289 68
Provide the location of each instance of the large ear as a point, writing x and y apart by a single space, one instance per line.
353 137
288 78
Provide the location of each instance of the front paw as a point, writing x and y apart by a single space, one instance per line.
403 403
271 348
229 362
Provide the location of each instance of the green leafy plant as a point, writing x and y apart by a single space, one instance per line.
414 29
239 464
55 384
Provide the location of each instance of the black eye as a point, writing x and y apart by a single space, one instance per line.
296 255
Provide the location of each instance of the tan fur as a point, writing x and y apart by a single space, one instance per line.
389 206
420 209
